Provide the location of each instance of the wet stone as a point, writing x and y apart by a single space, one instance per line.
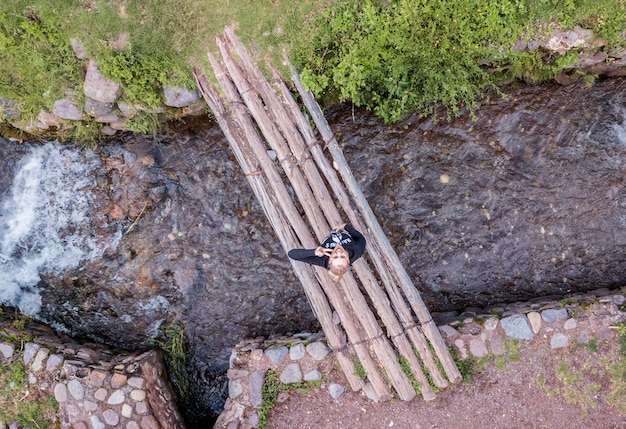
100 394
30 349
517 327
96 423
496 343
97 377
90 406
335 390
313 375
257 378
54 362
570 324
491 324
132 425
118 380
535 321
136 382
317 350
478 348
138 395
234 388
127 411
141 408
76 389
276 354
149 422
449 333
460 345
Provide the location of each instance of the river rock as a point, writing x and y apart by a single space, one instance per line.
517 326
180 97
98 87
291 374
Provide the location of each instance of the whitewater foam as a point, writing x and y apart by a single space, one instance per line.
43 218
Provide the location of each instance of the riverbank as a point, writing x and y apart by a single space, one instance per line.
545 363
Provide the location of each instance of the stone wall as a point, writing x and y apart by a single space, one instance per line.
95 387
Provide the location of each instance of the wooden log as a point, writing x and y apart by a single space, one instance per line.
315 296
291 114
257 148
271 109
404 314
430 329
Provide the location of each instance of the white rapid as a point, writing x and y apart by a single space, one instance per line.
41 221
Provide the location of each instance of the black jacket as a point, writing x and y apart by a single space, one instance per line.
351 240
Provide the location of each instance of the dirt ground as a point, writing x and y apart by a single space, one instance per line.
533 387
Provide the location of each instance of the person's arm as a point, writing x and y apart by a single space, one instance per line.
310 256
359 241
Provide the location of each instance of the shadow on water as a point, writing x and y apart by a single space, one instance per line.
526 201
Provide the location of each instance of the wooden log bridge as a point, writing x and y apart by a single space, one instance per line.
383 325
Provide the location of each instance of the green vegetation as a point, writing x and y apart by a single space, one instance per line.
576 389
401 56
141 45
592 380
616 367
272 386
391 57
466 366
174 348
21 402
406 369
359 370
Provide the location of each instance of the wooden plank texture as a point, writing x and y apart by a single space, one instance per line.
383 321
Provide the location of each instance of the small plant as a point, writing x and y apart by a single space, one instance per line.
268 397
359 370
174 349
466 366
272 386
405 365
511 348
575 388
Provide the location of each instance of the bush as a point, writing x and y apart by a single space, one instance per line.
407 55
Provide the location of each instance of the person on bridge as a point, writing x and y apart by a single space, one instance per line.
336 253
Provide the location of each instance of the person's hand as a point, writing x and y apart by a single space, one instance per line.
339 228
319 251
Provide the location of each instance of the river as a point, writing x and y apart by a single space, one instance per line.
115 243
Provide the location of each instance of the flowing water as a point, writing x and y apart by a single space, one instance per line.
527 200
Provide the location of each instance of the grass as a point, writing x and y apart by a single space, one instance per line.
23 403
389 57
174 348
141 45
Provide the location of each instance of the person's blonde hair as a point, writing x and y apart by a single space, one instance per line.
336 273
